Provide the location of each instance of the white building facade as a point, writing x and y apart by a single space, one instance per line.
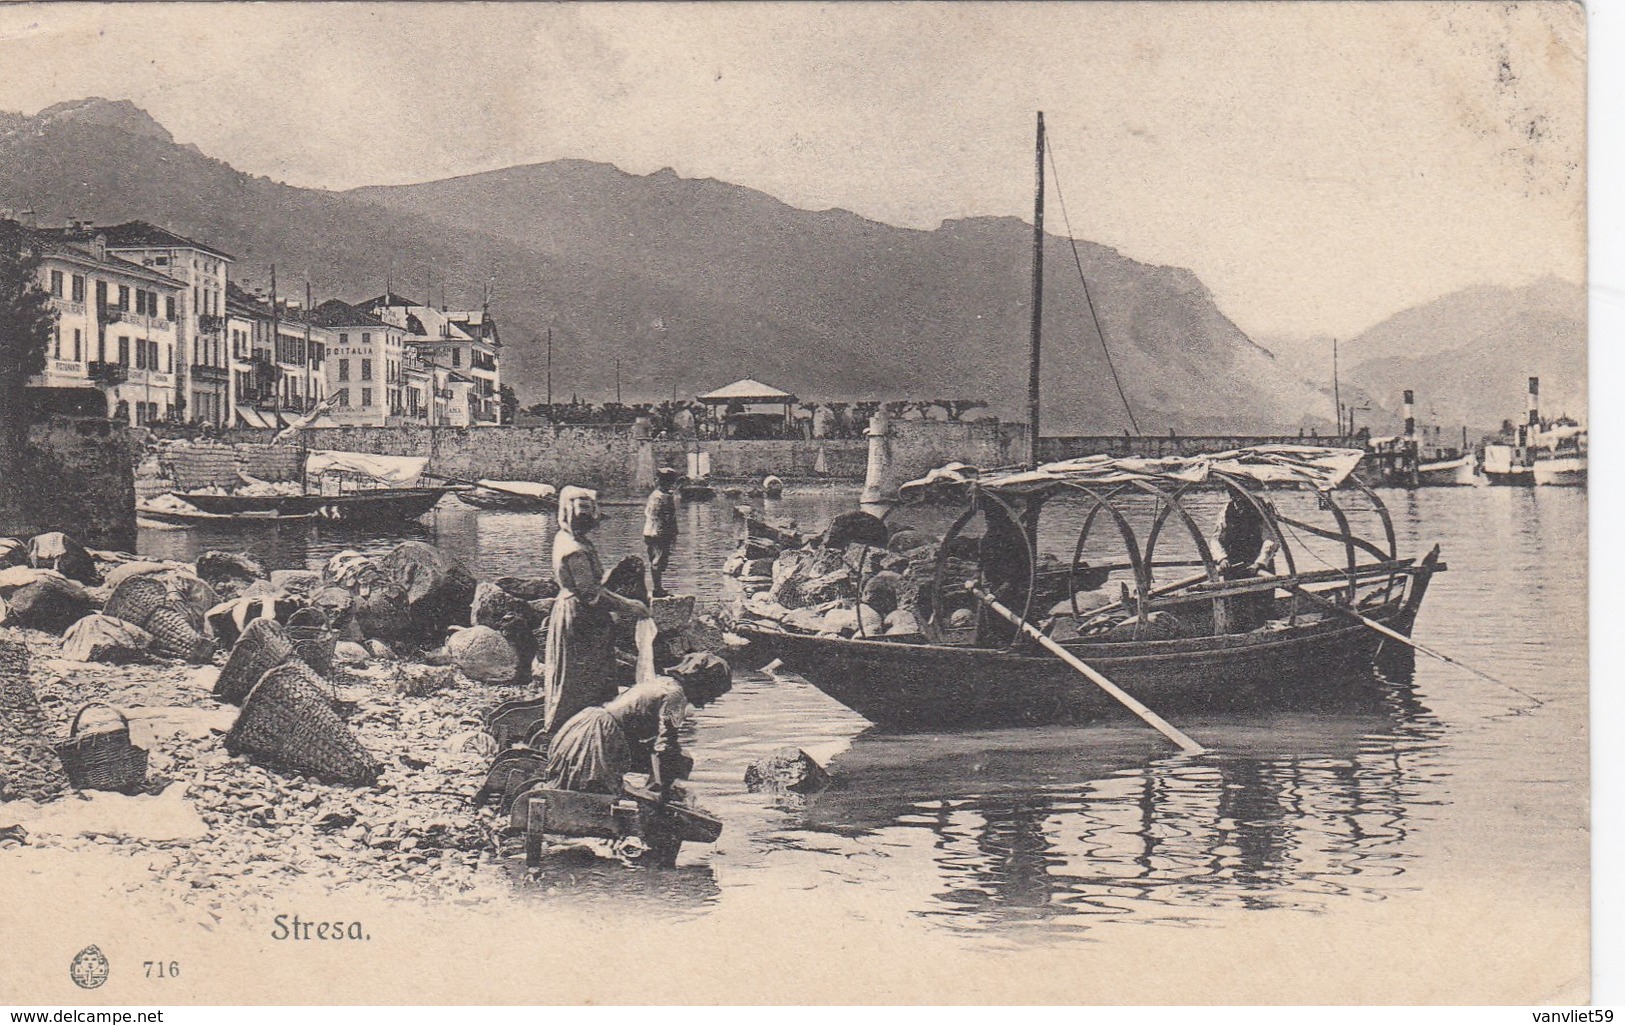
366 373
203 373
116 328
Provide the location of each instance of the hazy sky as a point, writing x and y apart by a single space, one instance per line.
1318 165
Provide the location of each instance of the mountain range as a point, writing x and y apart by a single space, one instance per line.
676 286
1467 356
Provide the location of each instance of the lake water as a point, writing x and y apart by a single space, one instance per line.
1440 781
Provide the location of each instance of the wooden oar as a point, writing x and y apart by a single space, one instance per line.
1127 700
1327 603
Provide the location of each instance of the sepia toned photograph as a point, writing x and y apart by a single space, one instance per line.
923 503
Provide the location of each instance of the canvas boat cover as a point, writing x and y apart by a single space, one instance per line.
528 488
1320 468
396 471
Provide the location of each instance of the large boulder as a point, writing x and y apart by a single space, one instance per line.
902 623
483 654
493 606
882 591
51 603
862 621
380 613
438 589
297 582
855 527
13 552
98 638
62 553
228 572
338 604
787 770
837 585
529 588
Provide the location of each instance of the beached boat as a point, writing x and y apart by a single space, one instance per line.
340 487
1176 645
511 495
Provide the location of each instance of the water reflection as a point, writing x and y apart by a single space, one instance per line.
583 874
1041 825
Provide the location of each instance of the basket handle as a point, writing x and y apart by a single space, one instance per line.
73 731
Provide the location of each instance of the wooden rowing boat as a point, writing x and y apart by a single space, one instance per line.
981 675
378 505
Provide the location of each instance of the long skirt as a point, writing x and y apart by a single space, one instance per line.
590 753
581 668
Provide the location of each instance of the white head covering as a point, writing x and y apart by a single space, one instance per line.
577 506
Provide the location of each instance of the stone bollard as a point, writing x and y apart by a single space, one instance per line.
879 490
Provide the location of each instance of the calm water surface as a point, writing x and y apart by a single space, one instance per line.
1030 835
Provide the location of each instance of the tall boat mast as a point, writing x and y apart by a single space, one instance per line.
1038 301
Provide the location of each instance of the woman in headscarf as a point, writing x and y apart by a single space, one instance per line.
635 731
581 669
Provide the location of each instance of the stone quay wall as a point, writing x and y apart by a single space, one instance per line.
77 475
915 447
586 455
611 458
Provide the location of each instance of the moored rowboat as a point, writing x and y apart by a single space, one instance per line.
957 674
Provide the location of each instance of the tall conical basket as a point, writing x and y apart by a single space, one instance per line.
263 646
287 721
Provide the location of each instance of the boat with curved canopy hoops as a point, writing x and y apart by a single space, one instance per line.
1299 608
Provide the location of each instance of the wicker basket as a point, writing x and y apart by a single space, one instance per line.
174 631
104 760
288 721
312 636
263 646
135 600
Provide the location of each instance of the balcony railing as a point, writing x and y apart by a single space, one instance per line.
210 324
207 372
112 314
108 373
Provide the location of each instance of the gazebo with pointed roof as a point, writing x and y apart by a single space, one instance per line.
731 405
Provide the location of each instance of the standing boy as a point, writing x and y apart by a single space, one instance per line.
660 525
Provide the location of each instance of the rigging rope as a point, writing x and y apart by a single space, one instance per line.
1078 262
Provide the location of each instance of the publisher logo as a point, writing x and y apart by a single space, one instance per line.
89 968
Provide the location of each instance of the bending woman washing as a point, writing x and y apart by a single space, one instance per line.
581 669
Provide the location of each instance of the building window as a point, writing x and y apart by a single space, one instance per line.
344 339
124 297
366 338
366 371
366 396
342 397
169 307
56 334
456 357
101 293
78 288
140 354
344 370
56 283
124 352
77 355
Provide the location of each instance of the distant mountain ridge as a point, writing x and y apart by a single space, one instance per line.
1467 355
691 283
